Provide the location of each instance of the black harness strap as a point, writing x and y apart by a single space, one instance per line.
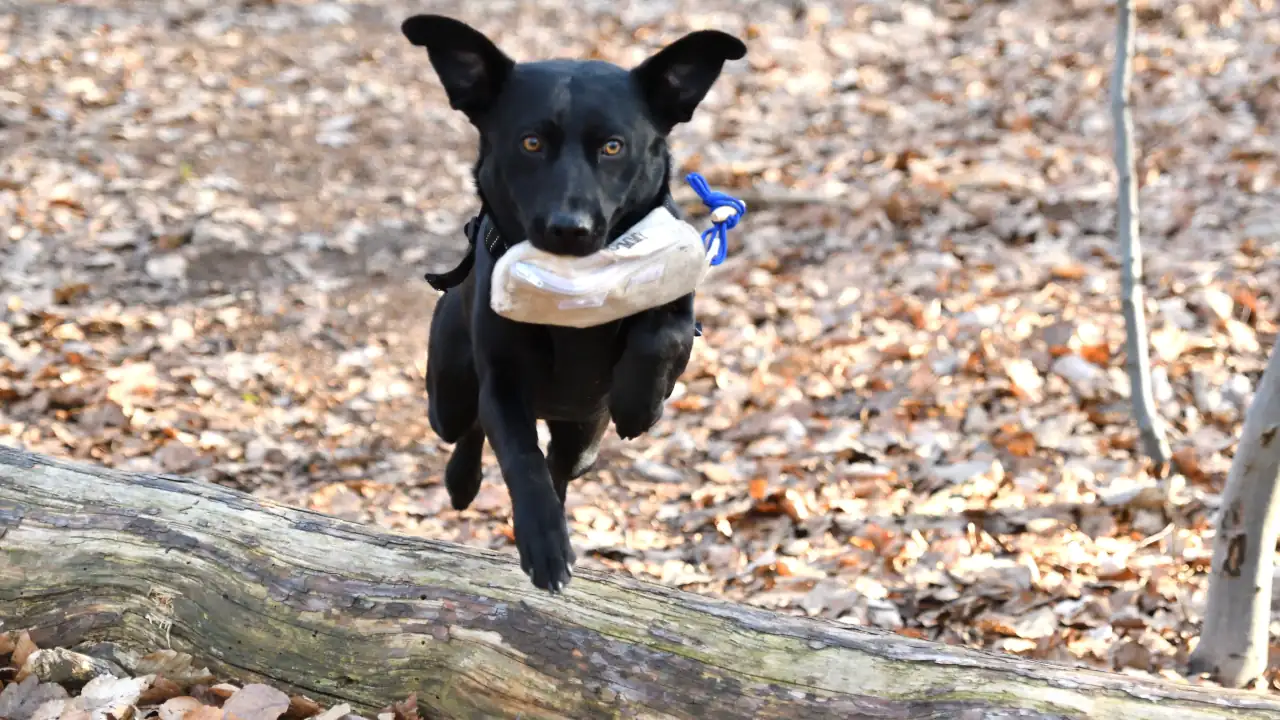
453 278
479 226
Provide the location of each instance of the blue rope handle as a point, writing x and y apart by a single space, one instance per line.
715 200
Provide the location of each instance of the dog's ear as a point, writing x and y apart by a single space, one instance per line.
678 77
471 68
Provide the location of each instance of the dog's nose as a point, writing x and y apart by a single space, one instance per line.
569 227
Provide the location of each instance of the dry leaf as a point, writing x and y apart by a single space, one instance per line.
998 624
74 710
1074 271
334 713
1244 339
60 665
1025 378
223 690
1020 443
1114 572
1015 645
758 488
206 712
256 702
903 351
1247 299
51 710
1037 624
162 689
1129 653
177 708
301 707
1188 463
116 696
688 403
1099 354
19 700
793 504
902 210
717 473
175 666
67 294
22 650
1168 342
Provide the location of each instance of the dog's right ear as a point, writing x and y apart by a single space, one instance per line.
471 68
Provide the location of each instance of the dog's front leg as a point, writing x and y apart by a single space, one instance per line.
542 535
658 343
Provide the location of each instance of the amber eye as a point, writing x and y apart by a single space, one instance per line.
612 147
531 143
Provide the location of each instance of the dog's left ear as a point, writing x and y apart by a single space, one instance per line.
471 68
678 77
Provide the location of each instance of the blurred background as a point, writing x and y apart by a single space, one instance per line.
909 408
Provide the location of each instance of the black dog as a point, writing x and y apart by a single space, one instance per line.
572 154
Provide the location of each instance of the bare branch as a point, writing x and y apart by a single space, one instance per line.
1149 423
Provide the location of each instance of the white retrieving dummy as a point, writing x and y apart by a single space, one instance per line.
659 259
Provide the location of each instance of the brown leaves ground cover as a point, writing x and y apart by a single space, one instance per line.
909 408
101 681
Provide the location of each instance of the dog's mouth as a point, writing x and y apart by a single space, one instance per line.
568 247
568 231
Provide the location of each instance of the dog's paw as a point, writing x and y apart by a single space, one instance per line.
542 538
462 474
462 479
644 379
633 419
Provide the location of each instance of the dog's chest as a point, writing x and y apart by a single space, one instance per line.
578 374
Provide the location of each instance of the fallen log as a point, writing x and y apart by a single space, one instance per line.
344 613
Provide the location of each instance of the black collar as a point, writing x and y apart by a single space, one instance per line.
482 229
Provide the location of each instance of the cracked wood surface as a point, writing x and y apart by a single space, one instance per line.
344 612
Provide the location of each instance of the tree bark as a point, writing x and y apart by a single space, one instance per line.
1234 641
1150 426
341 612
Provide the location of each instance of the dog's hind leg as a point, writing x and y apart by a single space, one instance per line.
573 450
452 397
453 389
463 472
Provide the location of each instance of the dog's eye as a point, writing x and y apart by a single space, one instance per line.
611 147
531 143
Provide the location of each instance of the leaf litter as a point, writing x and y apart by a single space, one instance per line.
909 408
159 686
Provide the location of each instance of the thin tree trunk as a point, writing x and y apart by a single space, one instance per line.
341 612
1234 641
1150 426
